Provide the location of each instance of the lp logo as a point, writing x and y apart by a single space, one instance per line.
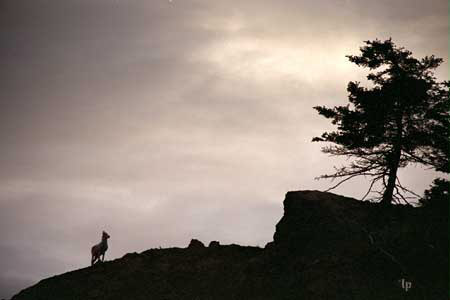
406 285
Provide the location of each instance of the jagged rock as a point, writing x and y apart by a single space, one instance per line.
196 244
325 246
214 244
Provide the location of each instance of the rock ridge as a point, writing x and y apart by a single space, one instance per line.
325 246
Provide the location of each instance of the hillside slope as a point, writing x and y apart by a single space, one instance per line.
325 247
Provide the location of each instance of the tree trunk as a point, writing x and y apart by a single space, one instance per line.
394 162
393 167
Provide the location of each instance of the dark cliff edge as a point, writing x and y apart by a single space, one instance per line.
325 246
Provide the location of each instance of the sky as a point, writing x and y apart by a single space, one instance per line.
160 121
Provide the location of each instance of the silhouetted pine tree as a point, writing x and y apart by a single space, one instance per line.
437 195
403 118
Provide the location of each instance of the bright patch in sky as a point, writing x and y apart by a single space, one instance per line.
262 59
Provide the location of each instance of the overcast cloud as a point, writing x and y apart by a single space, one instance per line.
162 121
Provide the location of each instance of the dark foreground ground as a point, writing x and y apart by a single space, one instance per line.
325 247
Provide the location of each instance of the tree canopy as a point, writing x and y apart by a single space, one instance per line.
402 118
437 195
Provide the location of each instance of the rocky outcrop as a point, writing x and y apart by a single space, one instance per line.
214 244
361 250
196 244
325 246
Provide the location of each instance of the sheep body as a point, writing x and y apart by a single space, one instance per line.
98 251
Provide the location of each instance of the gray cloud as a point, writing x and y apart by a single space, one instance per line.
160 122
